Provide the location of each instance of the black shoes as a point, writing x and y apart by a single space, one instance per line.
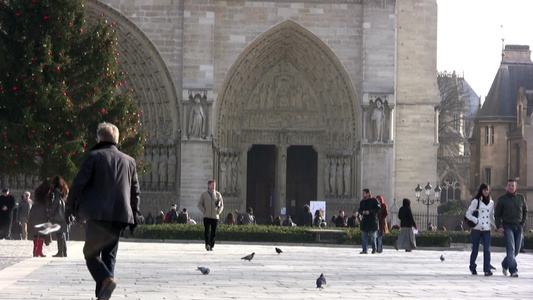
489 273
207 247
363 252
474 272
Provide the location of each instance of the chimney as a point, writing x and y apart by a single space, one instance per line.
516 53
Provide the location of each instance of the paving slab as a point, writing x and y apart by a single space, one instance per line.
167 270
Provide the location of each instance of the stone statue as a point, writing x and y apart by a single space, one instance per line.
197 120
171 170
155 169
234 174
327 189
347 175
163 165
378 120
146 177
332 175
223 175
339 178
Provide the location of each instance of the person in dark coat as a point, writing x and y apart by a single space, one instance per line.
340 220
369 209
57 214
106 194
406 240
382 217
307 217
7 203
39 214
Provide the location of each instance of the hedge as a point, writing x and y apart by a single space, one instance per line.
282 234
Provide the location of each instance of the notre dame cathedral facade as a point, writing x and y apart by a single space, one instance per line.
281 101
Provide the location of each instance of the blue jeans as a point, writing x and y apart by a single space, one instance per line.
366 236
476 236
513 239
379 242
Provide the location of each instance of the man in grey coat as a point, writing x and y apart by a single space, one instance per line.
106 194
211 205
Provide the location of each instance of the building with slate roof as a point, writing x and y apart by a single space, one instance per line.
503 127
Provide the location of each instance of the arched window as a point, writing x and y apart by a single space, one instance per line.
451 190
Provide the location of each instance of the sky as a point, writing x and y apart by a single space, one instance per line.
470 34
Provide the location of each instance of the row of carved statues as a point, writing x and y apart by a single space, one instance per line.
163 162
337 177
229 174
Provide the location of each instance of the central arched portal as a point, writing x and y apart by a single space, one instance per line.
301 183
286 125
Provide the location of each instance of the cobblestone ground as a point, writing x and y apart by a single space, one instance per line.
150 270
14 251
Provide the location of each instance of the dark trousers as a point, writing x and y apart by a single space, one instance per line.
100 249
210 237
61 244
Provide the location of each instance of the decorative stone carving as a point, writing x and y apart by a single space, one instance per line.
171 177
197 120
155 169
223 175
347 178
235 175
163 166
327 186
332 175
339 180
378 120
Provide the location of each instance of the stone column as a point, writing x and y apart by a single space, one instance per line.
281 179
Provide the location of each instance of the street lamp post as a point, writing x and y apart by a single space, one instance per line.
428 201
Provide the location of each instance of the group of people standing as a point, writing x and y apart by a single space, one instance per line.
508 216
374 212
373 225
48 207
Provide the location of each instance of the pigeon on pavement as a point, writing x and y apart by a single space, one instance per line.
249 257
321 281
442 258
278 250
204 270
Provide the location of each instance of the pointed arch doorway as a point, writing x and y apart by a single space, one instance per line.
301 180
286 90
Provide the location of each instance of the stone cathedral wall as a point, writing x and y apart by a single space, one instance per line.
386 48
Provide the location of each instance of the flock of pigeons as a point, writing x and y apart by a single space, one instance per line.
320 281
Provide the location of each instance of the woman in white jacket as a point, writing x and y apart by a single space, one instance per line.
481 231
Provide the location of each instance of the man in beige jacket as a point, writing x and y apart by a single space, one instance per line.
211 205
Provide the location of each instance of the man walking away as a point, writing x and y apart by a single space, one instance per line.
106 194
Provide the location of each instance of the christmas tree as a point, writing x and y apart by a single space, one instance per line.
59 79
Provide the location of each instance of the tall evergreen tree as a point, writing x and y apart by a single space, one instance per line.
59 78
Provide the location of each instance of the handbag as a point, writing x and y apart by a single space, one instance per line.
475 214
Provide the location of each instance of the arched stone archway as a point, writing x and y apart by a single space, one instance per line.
288 88
149 78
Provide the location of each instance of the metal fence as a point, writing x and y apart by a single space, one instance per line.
452 222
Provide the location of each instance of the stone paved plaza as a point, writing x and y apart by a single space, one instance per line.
167 270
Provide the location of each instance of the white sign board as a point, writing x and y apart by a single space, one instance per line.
320 205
